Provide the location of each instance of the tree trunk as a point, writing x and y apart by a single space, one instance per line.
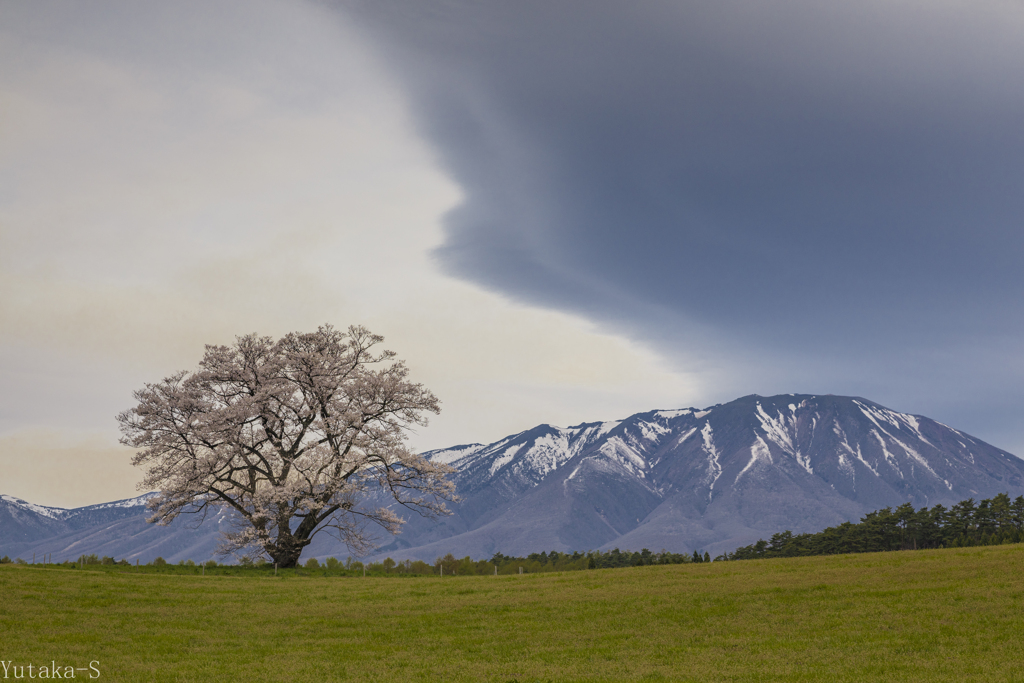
284 559
286 550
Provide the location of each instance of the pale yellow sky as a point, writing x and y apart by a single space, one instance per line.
178 175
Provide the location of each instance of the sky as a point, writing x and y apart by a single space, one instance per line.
554 211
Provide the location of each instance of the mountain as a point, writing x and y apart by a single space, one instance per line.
22 522
711 479
117 529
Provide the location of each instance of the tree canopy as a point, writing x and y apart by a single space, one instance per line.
295 436
967 523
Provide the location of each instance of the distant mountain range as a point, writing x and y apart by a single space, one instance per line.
118 529
711 479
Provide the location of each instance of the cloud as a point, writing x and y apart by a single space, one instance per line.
789 196
177 175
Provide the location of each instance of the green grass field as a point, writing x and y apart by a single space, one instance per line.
937 615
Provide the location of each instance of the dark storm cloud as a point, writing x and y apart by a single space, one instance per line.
831 192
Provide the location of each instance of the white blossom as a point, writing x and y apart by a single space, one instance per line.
292 435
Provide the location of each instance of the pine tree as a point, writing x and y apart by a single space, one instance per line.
1017 512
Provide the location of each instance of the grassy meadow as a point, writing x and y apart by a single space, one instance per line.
935 615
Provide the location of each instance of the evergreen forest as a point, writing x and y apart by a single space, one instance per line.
993 521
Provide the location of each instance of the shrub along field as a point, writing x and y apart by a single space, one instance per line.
932 615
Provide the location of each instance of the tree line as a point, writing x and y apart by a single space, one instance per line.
556 561
501 564
993 521
449 565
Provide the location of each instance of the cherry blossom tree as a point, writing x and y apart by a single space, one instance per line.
295 436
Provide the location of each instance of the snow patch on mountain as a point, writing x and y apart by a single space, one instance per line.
505 458
901 421
916 456
759 451
714 466
456 453
838 431
846 467
889 457
684 436
652 430
138 501
551 451
44 510
866 463
780 432
916 427
617 450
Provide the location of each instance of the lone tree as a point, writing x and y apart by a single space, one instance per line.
296 436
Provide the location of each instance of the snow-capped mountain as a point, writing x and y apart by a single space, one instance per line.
21 521
710 479
118 529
